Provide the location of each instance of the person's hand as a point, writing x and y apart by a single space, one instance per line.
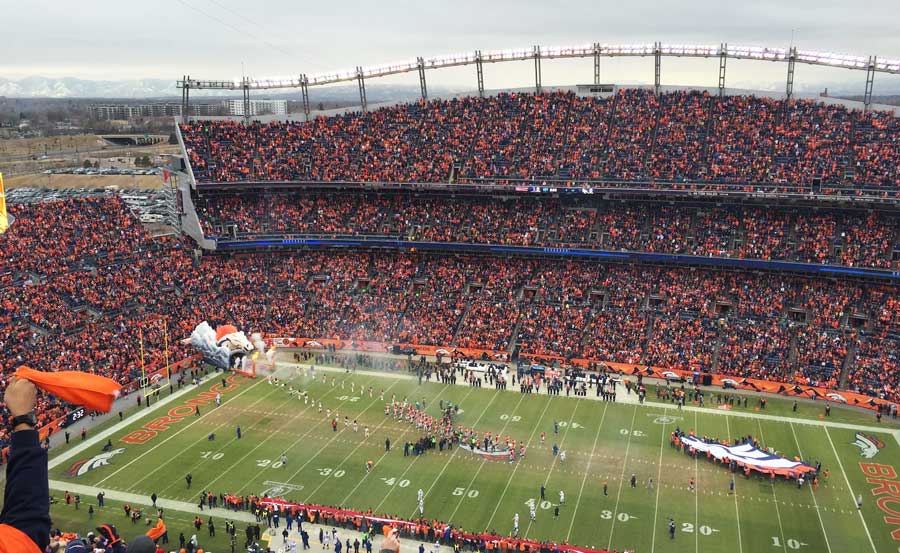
391 542
20 397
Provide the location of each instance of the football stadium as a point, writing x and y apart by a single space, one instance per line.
587 317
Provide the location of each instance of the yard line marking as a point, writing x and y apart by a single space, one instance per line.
321 449
413 462
815 502
349 455
621 479
273 434
483 461
662 442
697 496
895 432
198 419
553 462
586 471
94 439
200 440
222 449
519 463
447 464
737 512
850 489
406 429
775 497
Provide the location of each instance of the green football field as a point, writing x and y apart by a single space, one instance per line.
605 443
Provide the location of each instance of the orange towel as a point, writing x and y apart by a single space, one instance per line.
12 540
94 392
156 532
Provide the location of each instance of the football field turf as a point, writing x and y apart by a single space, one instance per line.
605 443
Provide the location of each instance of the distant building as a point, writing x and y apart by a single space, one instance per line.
112 112
257 107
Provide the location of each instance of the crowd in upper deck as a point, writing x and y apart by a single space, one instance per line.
633 136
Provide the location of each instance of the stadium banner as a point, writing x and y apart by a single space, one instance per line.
4 218
749 456
499 455
497 542
800 389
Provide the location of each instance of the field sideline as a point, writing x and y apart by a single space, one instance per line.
605 444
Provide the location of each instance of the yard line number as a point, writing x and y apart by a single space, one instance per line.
394 482
471 493
543 504
704 530
790 542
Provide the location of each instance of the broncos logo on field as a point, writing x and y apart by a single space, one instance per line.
868 445
278 489
833 396
84 466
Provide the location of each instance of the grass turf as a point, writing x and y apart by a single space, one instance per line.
605 443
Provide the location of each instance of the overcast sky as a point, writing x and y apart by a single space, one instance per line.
114 39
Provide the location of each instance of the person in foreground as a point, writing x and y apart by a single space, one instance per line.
25 519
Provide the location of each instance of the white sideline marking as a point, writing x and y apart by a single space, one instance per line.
812 493
586 471
197 419
687 408
57 460
172 505
850 489
737 513
662 442
621 479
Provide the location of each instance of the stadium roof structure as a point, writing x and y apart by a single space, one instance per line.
791 56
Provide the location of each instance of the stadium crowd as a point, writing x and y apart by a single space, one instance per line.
76 299
631 136
834 237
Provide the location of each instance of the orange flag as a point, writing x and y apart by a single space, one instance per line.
157 531
94 392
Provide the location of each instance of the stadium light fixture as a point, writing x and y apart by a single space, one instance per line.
579 51
832 59
892 66
810 57
757 53
693 50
